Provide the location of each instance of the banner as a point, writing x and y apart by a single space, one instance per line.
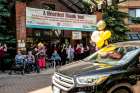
46 19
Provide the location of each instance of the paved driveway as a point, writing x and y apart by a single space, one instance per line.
36 83
25 84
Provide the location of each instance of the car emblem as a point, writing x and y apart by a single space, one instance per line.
60 78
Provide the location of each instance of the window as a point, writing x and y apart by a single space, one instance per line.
48 6
133 35
135 14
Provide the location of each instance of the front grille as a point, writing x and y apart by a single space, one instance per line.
64 82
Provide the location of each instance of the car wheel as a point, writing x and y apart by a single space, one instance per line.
121 88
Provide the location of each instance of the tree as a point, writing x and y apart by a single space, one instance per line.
5 26
26 1
115 22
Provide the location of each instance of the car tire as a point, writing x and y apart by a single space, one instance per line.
121 88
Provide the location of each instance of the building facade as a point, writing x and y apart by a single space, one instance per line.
132 7
27 37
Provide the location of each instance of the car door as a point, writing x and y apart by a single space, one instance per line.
134 68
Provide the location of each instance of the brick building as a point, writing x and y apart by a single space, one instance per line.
132 7
28 36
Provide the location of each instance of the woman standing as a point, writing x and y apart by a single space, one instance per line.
70 53
41 52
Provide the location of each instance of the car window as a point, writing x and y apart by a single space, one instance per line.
114 55
129 56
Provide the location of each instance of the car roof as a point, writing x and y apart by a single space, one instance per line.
128 44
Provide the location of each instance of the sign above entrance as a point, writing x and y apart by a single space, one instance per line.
76 35
46 19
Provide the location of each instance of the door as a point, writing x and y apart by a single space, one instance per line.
134 68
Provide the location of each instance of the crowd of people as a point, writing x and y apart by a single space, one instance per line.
37 58
65 54
40 55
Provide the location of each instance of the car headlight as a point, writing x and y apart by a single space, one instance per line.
91 80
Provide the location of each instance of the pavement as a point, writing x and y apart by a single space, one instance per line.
32 83
28 83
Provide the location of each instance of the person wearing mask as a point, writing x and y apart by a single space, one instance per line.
70 53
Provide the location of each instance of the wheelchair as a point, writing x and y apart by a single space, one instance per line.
18 67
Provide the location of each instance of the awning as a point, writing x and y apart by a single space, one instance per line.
78 6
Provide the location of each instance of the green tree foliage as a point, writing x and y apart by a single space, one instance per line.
5 28
24 1
115 22
114 19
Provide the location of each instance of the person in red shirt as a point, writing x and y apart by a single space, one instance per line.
3 49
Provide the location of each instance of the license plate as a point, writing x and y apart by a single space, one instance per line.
56 89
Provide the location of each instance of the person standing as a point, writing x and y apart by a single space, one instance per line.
87 51
70 53
77 52
3 50
82 51
41 52
63 54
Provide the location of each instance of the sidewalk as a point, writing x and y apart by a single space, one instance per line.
49 71
28 83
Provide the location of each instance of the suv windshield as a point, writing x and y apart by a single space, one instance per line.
113 55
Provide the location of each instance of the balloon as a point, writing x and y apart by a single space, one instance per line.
107 35
102 34
100 43
99 1
106 42
101 25
95 36
107 49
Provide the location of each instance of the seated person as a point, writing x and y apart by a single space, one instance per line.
117 53
19 58
55 56
30 61
19 63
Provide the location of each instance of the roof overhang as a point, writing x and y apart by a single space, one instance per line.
78 5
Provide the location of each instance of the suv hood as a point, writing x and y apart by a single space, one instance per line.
84 68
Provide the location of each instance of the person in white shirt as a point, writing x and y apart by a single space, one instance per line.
70 53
